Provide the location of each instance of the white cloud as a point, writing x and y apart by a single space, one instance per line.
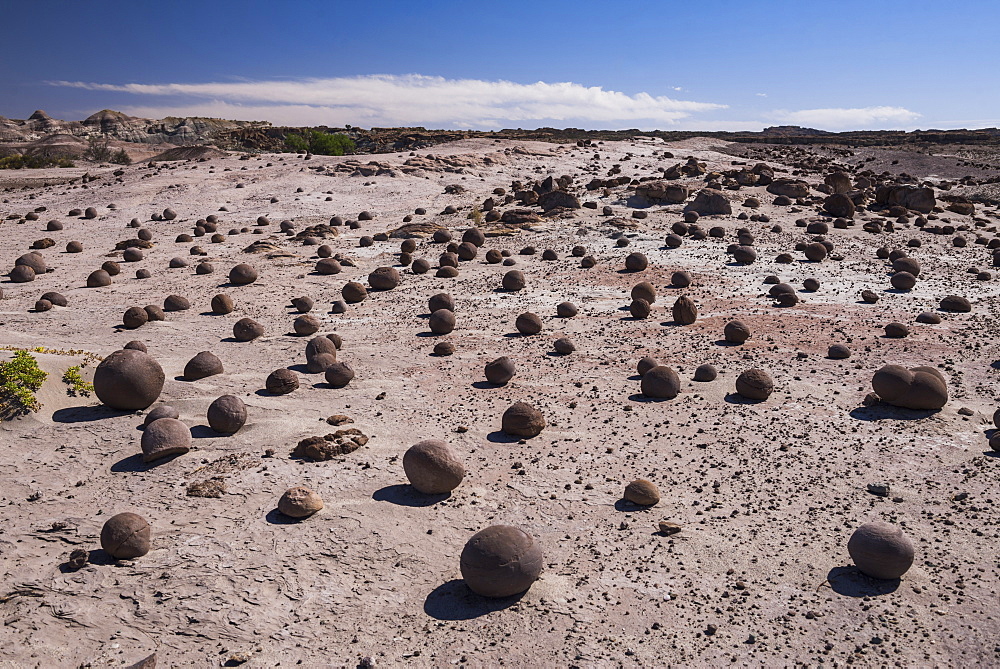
390 100
842 119
761 95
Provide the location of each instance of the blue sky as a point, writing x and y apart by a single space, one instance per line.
669 65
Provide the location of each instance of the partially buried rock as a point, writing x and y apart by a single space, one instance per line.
528 324
302 304
896 331
566 310
564 346
306 325
642 493
928 318
165 437
441 301
281 382
500 371
522 420
227 414
354 292
661 382
134 317
384 278
247 329
513 280
98 279
881 550
644 290
956 303
639 308
162 411
433 467
202 366
126 536
705 373
736 332
444 348
920 388
646 364
242 274
222 304
500 561
684 311
176 303
755 384
299 502
838 352
128 380
636 262
442 321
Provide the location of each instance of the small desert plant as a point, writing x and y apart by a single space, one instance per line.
77 386
98 149
19 379
476 215
119 157
320 143
17 162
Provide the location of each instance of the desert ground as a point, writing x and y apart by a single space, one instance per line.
766 493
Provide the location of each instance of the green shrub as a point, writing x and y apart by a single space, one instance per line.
18 162
320 143
98 150
119 157
19 379
77 386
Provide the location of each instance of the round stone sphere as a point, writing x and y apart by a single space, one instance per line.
706 372
299 502
305 325
125 536
522 420
441 301
661 382
896 331
420 266
736 332
528 324
97 279
681 279
247 329
501 561
444 348
564 346
513 280
644 290
176 303
838 352
815 251
442 321
128 380
242 274
134 317
903 281
755 384
162 411
566 310
227 414
303 304
500 371
956 303
281 382
684 311
135 345
328 266
354 292
222 304
164 437
881 550
646 364
202 366
111 267
338 374
384 278
642 493
433 467
639 308
636 262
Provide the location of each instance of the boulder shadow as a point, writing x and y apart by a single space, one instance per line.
850 582
275 517
454 601
429 334
626 506
301 368
736 398
635 377
501 437
403 494
86 414
725 343
646 399
135 463
486 385
883 411
205 432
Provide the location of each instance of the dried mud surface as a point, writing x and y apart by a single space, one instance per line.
767 493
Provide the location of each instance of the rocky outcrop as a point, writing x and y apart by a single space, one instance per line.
911 197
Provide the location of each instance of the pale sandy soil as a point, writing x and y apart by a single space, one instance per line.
767 494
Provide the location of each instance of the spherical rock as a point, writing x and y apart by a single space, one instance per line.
920 388
126 536
222 304
636 262
57 299
74 247
661 382
134 317
247 329
328 266
838 352
755 384
384 278
681 279
815 251
644 290
162 411
338 374
522 420
646 364
164 437
202 366
528 324
563 346
513 280
467 251
906 264
442 321
227 414
176 303
299 502
903 281
736 332
320 346
154 313
705 373
684 311
896 331
744 255
433 467
441 301
639 308
135 345
302 304
928 318
306 325
500 561
444 348
128 380
500 371
111 267
881 550
242 274
281 382
566 310
132 254
41 305
354 292
642 493
98 278
956 303
869 297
